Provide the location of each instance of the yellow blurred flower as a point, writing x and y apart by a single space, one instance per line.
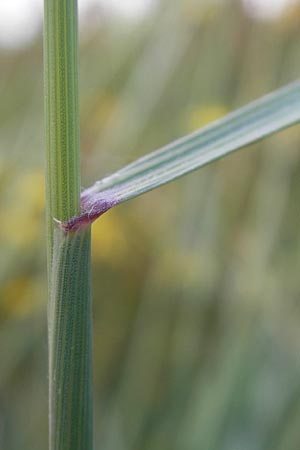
203 115
21 296
21 216
109 242
31 188
103 111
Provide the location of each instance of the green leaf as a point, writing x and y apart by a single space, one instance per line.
249 124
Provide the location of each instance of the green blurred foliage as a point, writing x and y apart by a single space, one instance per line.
196 285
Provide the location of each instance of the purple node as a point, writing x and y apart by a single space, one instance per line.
93 206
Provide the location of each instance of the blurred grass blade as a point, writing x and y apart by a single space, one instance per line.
249 124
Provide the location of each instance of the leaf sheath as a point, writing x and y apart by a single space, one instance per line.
70 325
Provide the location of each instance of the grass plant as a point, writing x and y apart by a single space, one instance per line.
70 214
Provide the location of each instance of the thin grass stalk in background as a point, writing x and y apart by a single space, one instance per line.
69 312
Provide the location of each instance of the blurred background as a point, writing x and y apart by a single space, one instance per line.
196 285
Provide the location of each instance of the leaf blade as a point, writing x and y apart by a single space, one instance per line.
272 113
245 126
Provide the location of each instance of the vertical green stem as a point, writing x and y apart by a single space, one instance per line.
62 117
69 311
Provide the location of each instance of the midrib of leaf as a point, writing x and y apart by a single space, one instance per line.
247 125
69 310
